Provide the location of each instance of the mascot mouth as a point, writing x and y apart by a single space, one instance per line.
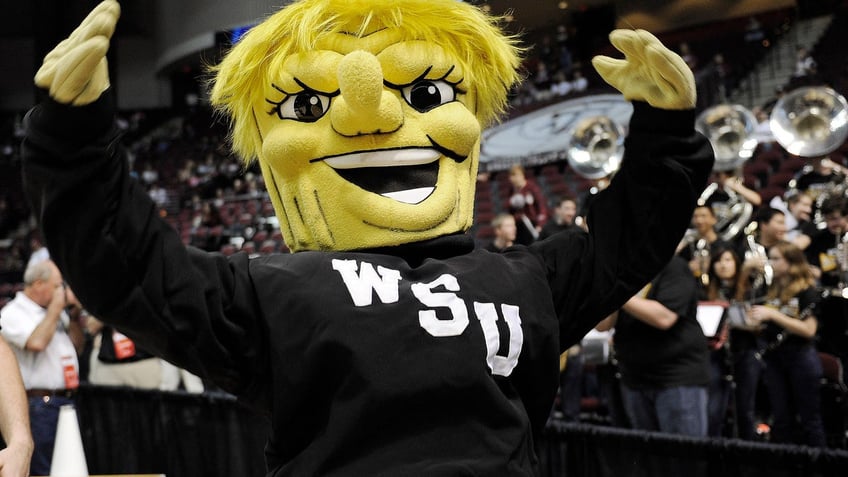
405 175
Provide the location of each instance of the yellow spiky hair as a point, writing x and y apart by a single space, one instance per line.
489 58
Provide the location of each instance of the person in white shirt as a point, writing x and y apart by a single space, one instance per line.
38 329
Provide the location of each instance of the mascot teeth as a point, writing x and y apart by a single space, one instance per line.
404 175
399 157
411 196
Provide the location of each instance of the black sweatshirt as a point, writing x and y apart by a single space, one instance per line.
433 358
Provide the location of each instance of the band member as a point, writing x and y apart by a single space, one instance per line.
793 368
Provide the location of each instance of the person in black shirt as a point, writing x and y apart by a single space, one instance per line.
662 355
824 251
564 214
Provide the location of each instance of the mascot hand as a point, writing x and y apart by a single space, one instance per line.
75 72
649 72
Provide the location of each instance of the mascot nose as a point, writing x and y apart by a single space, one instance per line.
364 107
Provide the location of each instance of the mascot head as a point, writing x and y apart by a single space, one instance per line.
365 115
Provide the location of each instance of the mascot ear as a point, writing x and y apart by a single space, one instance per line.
75 72
649 72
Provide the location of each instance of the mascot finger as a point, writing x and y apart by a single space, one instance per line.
673 75
609 69
95 87
100 21
76 70
630 43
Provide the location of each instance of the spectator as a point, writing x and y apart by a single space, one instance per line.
527 204
38 252
805 65
158 194
505 230
560 86
564 214
688 56
579 83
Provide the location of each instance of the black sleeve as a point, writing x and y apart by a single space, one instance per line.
127 265
634 225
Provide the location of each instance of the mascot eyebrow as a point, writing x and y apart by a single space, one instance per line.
423 76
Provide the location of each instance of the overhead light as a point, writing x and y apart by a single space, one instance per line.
563 5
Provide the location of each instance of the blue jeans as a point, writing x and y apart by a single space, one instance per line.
43 417
793 381
679 409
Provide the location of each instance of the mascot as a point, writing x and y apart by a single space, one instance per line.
387 344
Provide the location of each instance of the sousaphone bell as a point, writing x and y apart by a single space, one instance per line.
811 121
596 147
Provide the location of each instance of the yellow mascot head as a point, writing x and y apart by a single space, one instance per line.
365 115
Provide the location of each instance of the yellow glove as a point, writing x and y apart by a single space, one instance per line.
649 72
75 71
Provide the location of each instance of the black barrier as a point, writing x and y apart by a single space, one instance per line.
580 450
129 431
187 435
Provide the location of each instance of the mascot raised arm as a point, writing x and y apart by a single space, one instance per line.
387 344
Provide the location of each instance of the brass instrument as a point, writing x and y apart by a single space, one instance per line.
730 130
597 146
810 121
755 251
702 254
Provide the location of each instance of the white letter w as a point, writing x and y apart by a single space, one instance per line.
384 281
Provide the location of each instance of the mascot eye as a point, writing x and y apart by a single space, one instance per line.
306 106
427 94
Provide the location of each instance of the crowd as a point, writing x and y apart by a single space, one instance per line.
759 364
736 336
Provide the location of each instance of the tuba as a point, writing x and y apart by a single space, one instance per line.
811 121
730 130
596 147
